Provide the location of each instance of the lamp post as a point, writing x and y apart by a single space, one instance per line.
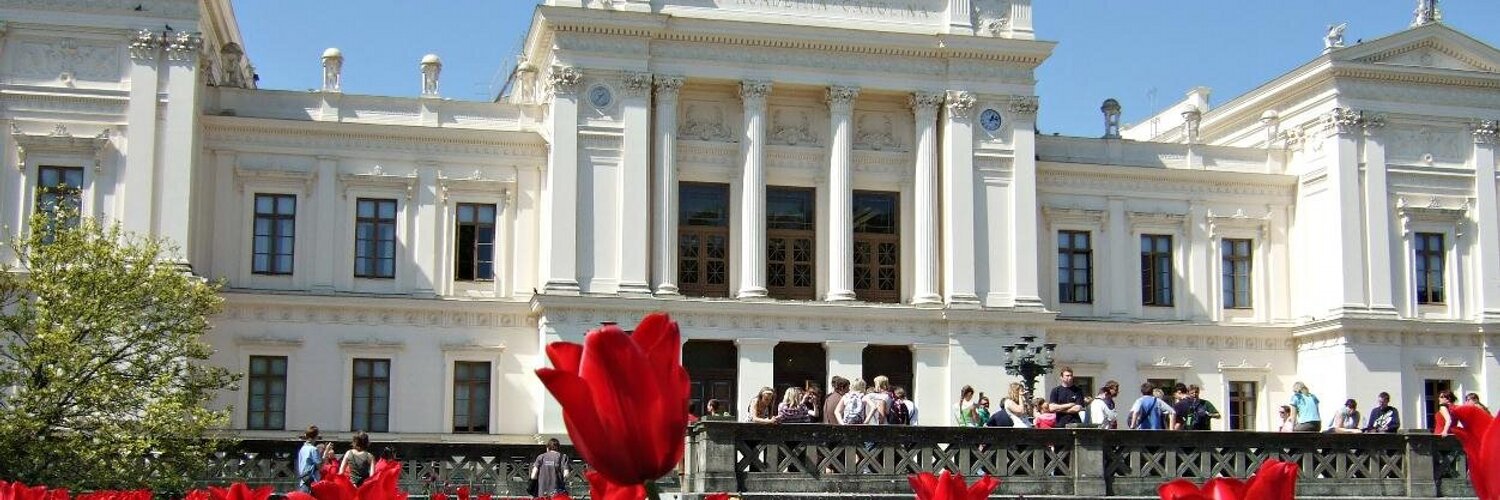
1029 359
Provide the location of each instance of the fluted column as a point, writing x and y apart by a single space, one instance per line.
958 201
752 256
924 106
665 276
840 194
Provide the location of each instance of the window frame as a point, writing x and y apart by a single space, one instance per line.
488 384
1229 276
251 377
66 192
371 246
687 234
273 252
1151 288
354 394
874 240
474 248
1067 292
790 238
1242 407
1422 256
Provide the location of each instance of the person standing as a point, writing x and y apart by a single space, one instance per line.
1066 400
964 414
903 412
1102 410
1287 423
791 410
1203 410
358 463
982 410
1442 422
1147 412
1384 418
878 401
763 409
1305 409
1015 408
1473 399
550 471
1182 408
309 457
831 403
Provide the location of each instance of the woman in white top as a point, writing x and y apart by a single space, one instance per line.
763 409
1015 406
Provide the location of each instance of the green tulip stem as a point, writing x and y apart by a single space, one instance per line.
653 492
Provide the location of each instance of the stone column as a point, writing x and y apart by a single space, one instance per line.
1346 244
845 359
635 253
1023 204
175 194
752 256
139 181
958 200
1378 219
756 370
665 271
924 106
1486 138
560 198
841 194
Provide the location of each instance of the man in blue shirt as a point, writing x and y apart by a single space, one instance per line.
308 460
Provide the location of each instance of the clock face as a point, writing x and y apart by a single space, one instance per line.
990 120
600 97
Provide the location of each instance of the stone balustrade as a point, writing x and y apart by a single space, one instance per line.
808 461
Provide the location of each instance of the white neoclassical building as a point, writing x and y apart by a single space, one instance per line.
811 187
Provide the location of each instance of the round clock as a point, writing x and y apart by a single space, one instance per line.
600 96
990 120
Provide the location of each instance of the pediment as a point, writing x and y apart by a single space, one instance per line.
1433 46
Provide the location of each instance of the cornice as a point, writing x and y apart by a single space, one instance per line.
1430 43
145 9
235 131
371 311
1061 178
1414 74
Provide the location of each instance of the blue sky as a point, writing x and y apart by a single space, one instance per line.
1107 48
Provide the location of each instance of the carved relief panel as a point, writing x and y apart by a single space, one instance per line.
64 61
1427 145
882 131
804 126
708 120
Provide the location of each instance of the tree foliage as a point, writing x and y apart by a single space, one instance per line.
103 374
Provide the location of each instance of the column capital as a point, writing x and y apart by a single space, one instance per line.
1486 131
564 80
755 91
667 86
636 84
1348 121
924 100
182 45
1026 105
144 44
841 97
961 103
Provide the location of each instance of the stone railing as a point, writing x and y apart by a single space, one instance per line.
801 461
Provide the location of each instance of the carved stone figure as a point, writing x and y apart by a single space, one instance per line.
564 79
333 68
1335 37
705 123
796 133
991 17
431 67
876 133
1426 13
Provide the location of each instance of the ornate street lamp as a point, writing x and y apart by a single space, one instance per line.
1029 360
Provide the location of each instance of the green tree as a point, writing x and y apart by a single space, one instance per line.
103 374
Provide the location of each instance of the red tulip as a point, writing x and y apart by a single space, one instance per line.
601 488
239 491
295 495
624 398
199 495
1275 480
562 496
334 487
1482 446
949 486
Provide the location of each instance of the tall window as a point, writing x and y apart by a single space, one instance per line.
474 256
1156 269
1075 267
275 232
789 243
372 395
59 188
267 391
1236 269
1429 259
375 238
1430 389
703 239
1242 406
877 247
471 396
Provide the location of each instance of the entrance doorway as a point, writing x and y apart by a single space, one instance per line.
799 365
713 372
893 361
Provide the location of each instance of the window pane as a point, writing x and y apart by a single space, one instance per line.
703 204
365 209
465 212
265 204
487 214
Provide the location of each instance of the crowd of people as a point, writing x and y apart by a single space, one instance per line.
1066 405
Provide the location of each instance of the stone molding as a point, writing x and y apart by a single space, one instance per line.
1024 105
60 142
636 84
668 86
175 9
371 315
1111 339
233 135
754 92
925 100
1486 131
1056 217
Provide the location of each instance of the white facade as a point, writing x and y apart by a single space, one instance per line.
1331 175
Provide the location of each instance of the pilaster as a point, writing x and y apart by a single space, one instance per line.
427 242
1023 216
1120 248
229 225
932 390
139 184
1378 219
752 258
958 201
841 194
665 223
560 194
960 17
924 107
1486 141
756 370
845 358
1198 250
1346 240
325 228
635 253
175 195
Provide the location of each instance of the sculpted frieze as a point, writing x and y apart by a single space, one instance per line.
705 122
877 132
66 60
920 9
607 44
1426 94
793 127
820 60
1427 145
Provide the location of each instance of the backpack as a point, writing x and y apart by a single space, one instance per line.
854 408
899 414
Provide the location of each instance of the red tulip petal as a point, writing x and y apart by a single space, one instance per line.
1474 428
983 487
261 493
565 356
1274 480
596 443
643 420
924 485
297 495
659 338
717 496
1180 489
1224 488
